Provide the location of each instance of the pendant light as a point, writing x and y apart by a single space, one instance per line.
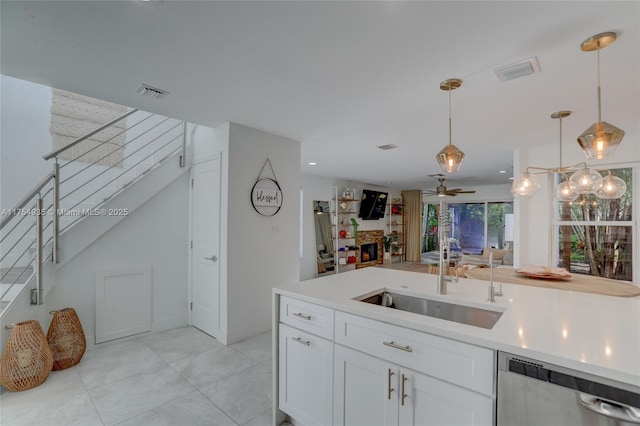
564 191
582 181
612 187
601 139
450 158
524 185
585 181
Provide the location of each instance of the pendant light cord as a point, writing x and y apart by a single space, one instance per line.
561 169
450 114
599 99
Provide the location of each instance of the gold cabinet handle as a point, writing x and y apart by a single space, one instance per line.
303 316
396 346
299 340
404 395
390 389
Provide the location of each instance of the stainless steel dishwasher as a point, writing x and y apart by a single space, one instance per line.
532 393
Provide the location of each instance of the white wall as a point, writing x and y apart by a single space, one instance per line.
154 234
261 252
24 137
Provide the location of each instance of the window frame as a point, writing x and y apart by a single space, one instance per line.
556 223
485 203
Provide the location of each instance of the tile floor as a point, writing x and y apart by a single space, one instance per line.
179 377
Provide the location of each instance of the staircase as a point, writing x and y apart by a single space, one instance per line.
80 200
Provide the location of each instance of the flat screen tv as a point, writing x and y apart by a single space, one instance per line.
372 204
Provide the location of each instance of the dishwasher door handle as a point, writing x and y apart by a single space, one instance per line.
606 408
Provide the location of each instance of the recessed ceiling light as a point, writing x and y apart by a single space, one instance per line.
511 178
313 164
502 171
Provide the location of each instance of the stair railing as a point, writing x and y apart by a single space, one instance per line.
26 208
59 202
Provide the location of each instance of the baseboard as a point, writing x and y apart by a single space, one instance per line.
245 332
170 323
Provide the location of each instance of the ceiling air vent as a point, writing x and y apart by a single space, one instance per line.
517 69
388 147
151 92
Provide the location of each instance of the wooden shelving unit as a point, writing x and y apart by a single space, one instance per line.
343 210
397 228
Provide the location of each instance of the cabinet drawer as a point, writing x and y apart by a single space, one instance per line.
459 363
307 316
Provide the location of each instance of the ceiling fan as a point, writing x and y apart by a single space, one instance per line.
442 190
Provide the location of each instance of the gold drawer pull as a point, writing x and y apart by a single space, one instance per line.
303 316
396 346
404 395
299 340
390 389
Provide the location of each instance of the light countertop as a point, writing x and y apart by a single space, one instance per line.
587 332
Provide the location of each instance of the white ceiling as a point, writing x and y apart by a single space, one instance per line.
345 77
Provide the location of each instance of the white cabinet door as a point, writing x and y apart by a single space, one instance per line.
430 401
365 390
305 376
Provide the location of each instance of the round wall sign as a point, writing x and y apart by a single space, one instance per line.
266 197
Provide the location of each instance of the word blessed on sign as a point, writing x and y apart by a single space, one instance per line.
267 197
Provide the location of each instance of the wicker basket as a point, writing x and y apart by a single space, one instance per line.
26 360
66 339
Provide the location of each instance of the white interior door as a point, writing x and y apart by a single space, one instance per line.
205 254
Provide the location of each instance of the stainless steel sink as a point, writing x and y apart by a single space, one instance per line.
469 315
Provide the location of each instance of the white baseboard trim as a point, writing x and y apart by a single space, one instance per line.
170 323
245 332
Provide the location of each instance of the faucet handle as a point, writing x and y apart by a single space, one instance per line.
492 293
499 292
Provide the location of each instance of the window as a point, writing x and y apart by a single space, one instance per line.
594 236
467 226
473 225
500 225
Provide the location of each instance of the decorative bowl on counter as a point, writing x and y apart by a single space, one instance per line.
544 272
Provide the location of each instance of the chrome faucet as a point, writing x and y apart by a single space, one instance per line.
445 260
492 290
442 282
445 256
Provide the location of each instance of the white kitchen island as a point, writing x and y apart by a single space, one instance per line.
327 364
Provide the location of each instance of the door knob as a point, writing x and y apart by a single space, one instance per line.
213 258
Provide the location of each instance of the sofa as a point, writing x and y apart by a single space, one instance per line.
500 257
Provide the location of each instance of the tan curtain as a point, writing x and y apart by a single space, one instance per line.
413 217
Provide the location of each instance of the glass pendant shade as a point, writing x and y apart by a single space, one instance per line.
565 193
450 158
524 185
585 181
612 187
600 140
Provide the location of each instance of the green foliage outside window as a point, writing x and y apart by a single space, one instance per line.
603 250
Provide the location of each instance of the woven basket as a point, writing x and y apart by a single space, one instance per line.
26 360
66 339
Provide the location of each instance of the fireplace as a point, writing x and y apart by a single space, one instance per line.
370 245
368 252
